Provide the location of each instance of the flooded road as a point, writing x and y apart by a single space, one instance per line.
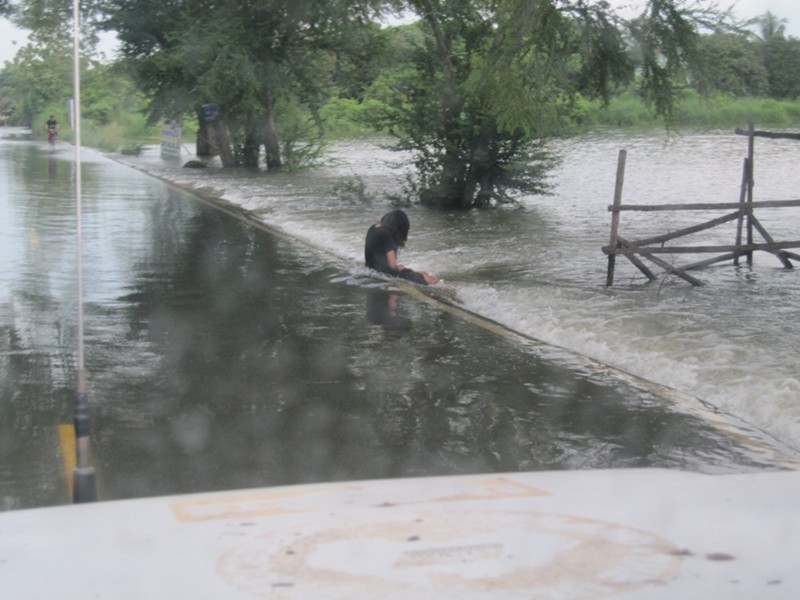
538 268
223 355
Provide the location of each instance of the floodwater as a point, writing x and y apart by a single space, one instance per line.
222 354
539 269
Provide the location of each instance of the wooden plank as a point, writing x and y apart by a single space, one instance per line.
775 135
744 248
638 263
674 270
780 253
641 266
706 206
686 231
710 261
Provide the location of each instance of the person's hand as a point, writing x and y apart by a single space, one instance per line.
429 279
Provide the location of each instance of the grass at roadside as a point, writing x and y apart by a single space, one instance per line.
348 119
694 112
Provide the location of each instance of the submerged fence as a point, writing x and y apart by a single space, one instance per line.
743 212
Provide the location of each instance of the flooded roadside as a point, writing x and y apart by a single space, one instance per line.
538 268
222 356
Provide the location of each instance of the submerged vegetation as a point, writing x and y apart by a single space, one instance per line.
473 89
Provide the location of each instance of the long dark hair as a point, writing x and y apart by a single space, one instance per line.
398 224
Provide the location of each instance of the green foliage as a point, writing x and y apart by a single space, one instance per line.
626 110
473 89
782 63
770 25
729 63
348 118
127 135
466 103
350 188
302 139
486 84
694 111
108 94
665 35
51 25
131 149
38 81
252 60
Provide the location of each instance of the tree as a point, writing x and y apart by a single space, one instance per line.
729 63
38 82
492 81
51 26
770 25
39 79
782 63
259 62
780 56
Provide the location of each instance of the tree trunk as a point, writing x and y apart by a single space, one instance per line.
219 134
452 181
271 146
453 187
470 186
251 147
204 144
478 178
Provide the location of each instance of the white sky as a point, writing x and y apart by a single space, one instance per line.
12 39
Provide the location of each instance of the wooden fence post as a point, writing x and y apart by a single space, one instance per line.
613 242
742 199
750 183
744 213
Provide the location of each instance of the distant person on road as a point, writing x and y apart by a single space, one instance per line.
52 130
384 240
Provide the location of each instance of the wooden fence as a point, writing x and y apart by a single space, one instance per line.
743 212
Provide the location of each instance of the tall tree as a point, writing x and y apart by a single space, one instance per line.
37 82
493 80
770 25
780 56
51 25
40 77
730 63
254 60
782 63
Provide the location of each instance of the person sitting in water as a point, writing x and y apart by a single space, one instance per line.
384 240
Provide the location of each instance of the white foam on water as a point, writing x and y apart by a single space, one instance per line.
755 382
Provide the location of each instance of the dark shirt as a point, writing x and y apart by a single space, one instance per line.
378 244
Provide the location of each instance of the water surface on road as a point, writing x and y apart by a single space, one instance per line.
222 356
